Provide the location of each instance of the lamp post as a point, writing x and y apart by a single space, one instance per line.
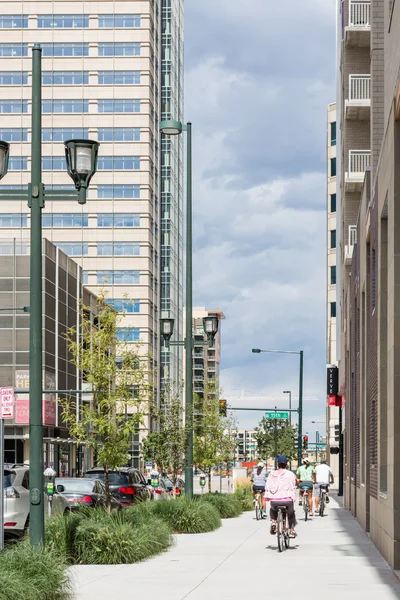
290 405
81 156
300 410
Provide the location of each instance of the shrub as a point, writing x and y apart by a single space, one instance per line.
187 516
243 494
29 574
60 534
112 539
228 505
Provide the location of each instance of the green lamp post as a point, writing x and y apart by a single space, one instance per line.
82 162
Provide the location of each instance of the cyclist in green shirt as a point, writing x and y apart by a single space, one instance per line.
305 478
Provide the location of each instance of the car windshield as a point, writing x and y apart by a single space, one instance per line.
8 480
75 485
113 478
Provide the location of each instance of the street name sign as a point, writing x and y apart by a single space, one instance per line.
277 415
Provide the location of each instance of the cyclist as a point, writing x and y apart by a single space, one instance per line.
305 478
258 479
281 489
322 476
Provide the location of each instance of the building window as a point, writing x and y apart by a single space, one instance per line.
65 106
62 21
8 248
118 249
128 334
11 50
54 163
18 163
60 134
13 78
13 106
119 21
333 309
13 220
333 275
119 134
65 220
118 106
118 220
65 77
119 77
125 305
85 277
333 238
19 134
373 279
119 163
13 21
73 248
333 167
333 134
119 49
118 277
118 191
70 49
333 203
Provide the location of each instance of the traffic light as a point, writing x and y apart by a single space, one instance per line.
305 442
334 450
222 408
337 433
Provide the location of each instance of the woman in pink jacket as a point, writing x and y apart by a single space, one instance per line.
281 490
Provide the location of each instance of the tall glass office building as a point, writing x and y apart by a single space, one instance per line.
111 71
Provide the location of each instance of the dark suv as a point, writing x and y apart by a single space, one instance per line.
127 484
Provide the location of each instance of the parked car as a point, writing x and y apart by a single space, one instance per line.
179 488
84 492
17 503
127 485
161 492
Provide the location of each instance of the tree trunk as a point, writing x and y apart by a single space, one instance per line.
107 486
209 481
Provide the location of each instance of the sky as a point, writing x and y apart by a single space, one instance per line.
258 78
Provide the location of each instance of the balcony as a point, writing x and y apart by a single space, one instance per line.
358 31
358 106
359 161
351 240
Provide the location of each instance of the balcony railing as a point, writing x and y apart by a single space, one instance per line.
359 161
351 241
360 13
359 87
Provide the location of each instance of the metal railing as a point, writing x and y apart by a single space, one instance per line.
359 160
360 13
352 236
359 87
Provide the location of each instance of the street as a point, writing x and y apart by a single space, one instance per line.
332 557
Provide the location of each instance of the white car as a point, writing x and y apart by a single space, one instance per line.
16 501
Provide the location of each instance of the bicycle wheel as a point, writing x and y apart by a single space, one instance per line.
279 532
322 505
305 507
258 512
286 534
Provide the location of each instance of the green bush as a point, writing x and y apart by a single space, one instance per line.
27 574
60 534
187 516
228 505
243 494
115 539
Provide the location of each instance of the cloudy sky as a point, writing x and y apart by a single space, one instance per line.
259 77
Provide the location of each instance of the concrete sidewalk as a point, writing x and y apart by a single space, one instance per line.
333 554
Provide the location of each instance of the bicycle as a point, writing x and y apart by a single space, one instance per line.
282 530
259 506
322 498
306 508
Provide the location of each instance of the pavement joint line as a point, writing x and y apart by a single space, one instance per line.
120 567
220 564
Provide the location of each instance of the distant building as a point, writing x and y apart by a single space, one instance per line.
246 450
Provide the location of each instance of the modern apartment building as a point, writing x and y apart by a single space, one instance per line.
206 359
246 449
370 297
331 277
110 71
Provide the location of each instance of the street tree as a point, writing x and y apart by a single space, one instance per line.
285 437
120 380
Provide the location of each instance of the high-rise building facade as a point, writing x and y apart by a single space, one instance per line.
110 72
370 267
331 275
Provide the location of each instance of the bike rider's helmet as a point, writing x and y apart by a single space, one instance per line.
260 465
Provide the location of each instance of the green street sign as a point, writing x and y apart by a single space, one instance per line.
277 415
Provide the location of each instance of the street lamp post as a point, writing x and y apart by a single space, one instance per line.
300 410
83 169
290 405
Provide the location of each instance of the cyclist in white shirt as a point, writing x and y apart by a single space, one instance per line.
259 480
322 476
